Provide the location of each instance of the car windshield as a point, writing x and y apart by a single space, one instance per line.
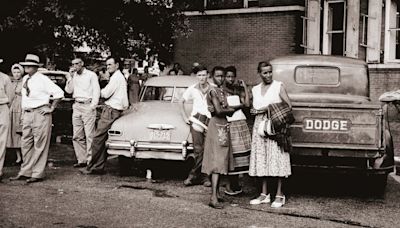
167 94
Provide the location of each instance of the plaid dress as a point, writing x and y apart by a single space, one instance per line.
240 140
266 157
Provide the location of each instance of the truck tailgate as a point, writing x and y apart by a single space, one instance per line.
337 126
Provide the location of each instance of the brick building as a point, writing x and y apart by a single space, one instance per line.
244 32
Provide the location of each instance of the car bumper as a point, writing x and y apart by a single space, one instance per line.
143 150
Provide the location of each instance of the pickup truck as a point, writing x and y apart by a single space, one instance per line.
337 127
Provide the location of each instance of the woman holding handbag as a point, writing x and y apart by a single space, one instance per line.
217 144
268 158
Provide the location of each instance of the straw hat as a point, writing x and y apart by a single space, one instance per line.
31 60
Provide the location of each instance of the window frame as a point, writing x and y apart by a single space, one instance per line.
390 32
327 33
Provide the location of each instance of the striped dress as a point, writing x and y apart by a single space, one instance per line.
240 141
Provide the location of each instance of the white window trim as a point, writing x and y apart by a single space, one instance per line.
326 37
245 10
389 29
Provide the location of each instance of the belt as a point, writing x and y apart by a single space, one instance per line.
33 109
84 102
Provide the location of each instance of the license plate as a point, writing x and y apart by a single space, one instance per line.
160 135
338 125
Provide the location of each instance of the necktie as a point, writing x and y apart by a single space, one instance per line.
26 86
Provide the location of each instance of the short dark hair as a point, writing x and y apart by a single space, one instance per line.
231 69
217 68
116 60
173 70
261 65
199 68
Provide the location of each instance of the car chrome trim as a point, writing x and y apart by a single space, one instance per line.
136 148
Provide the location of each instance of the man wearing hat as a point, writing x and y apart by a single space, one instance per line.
37 119
6 95
198 121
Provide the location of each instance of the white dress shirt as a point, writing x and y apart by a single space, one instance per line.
199 99
41 88
84 86
116 92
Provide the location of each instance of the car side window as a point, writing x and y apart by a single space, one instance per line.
152 93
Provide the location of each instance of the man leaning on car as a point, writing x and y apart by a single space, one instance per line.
84 86
116 94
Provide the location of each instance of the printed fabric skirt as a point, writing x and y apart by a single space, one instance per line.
240 146
216 147
266 157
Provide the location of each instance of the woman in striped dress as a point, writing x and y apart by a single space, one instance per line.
239 132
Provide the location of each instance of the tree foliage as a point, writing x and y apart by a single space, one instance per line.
55 27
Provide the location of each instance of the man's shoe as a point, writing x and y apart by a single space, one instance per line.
188 182
33 180
18 177
79 165
207 183
85 171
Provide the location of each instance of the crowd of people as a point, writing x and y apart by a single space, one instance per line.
223 143
27 104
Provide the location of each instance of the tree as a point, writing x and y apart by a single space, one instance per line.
55 27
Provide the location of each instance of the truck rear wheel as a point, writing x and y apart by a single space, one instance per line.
377 184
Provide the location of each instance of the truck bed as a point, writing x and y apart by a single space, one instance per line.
337 126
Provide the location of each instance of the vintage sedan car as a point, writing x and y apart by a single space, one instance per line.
62 117
154 128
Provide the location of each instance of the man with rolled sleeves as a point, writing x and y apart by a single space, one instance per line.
6 95
117 100
84 86
37 119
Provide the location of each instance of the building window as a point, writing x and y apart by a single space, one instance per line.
334 28
392 30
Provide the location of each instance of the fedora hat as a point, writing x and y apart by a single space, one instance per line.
31 60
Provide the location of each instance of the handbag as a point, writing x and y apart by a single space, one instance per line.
265 128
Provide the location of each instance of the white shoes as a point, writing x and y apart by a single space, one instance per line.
280 203
261 199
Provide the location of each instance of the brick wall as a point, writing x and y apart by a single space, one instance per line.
384 80
239 39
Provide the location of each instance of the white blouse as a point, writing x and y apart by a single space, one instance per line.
270 97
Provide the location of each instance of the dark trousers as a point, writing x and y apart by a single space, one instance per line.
198 147
99 151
